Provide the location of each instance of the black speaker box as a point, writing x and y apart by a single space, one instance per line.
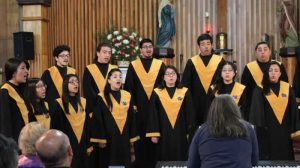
24 45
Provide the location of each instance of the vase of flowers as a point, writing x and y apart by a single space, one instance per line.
125 45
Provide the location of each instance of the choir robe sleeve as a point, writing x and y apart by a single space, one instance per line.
257 111
132 124
294 115
56 113
187 74
90 90
250 84
243 103
153 128
98 134
5 115
190 115
130 83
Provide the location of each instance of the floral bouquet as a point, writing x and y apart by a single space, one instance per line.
125 44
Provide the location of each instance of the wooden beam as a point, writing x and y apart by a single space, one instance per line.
222 15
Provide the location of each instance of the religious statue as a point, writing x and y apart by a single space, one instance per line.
166 23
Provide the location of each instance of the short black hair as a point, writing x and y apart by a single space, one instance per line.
98 49
11 66
204 36
60 48
260 43
145 40
8 152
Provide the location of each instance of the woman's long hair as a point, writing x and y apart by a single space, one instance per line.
224 118
66 94
31 95
219 84
266 78
107 88
163 82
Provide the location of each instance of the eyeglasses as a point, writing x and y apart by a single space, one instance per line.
64 55
41 86
170 73
75 82
148 47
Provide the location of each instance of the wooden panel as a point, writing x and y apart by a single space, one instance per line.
76 22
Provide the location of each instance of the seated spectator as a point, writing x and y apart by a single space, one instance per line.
225 139
54 149
8 152
28 136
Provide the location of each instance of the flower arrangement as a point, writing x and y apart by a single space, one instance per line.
125 44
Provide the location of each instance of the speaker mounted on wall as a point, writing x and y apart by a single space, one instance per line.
24 45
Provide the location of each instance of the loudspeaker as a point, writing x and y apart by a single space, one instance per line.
24 45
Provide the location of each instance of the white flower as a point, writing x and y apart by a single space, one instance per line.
113 50
125 41
140 39
137 47
131 37
115 32
133 34
119 37
109 36
124 29
127 55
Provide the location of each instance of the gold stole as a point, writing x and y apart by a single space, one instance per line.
255 71
44 119
236 92
171 106
76 119
20 102
206 74
147 79
279 103
57 78
99 79
119 111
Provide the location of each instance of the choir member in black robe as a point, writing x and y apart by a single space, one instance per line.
143 75
69 116
200 73
95 75
225 84
113 123
14 110
35 93
171 121
296 84
275 115
253 72
53 76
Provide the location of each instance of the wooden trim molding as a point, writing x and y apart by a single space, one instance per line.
35 2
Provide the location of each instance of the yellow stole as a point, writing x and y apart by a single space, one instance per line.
147 79
44 119
206 73
236 91
20 101
279 103
171 105
57 78
76 119
119 111
99 79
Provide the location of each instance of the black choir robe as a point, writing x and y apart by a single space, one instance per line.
252 77
172 119
296 84
75 126
94 80
198 76
53 78
277 121
142 77
235 89
14 111
116 128
42 118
